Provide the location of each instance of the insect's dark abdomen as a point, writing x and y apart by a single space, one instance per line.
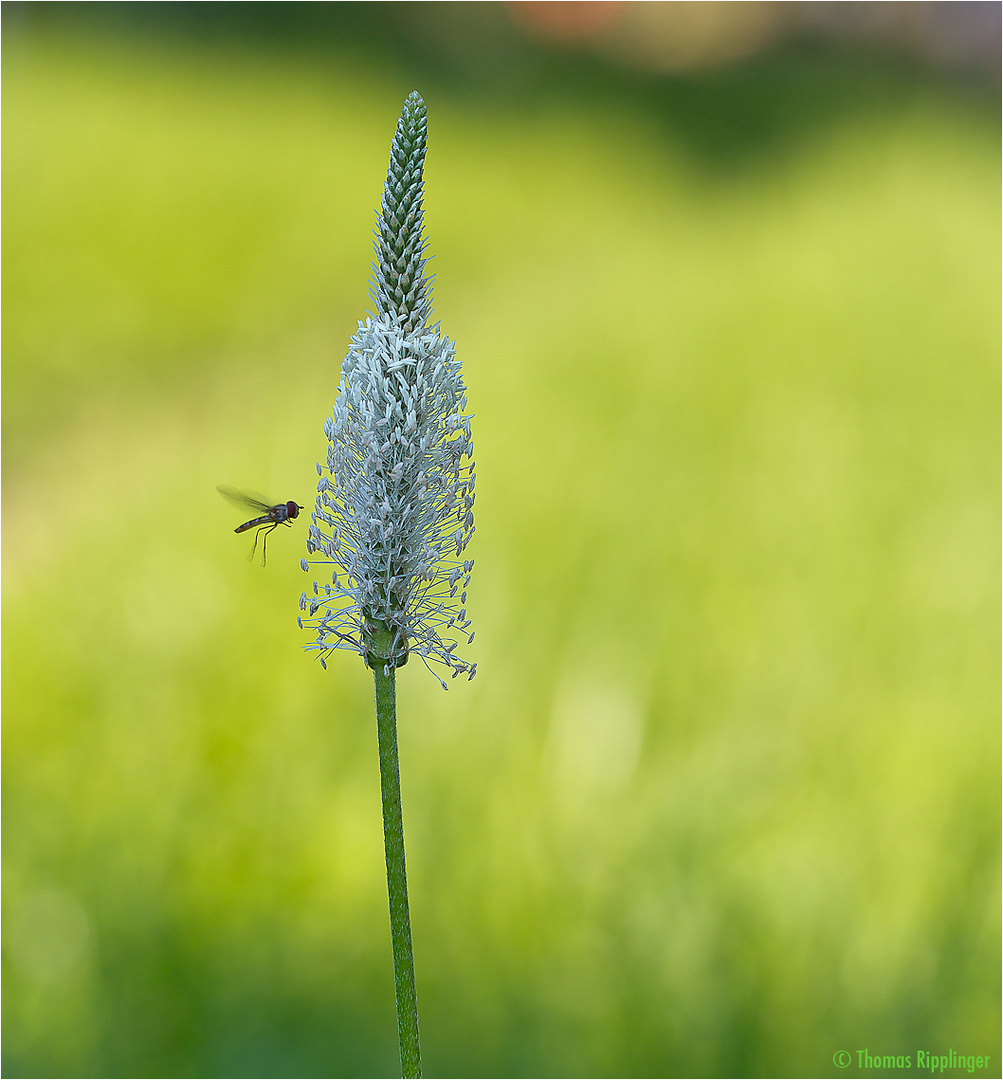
250 524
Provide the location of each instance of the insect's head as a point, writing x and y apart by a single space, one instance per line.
293 509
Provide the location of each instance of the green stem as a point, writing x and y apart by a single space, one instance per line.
393 835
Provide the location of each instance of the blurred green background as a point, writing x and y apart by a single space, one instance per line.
723 798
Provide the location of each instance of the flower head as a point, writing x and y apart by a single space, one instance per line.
394 508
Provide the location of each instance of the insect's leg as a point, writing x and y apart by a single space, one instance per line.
254 547
264 540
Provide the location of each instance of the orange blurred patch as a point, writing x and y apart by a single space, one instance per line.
567 20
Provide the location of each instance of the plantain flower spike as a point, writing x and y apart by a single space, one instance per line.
394 510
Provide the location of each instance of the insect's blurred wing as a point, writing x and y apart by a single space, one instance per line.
252 501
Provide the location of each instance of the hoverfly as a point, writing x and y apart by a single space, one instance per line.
268 515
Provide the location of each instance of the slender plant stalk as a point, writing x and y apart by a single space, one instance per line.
393 838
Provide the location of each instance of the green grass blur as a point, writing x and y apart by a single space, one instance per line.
723 797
